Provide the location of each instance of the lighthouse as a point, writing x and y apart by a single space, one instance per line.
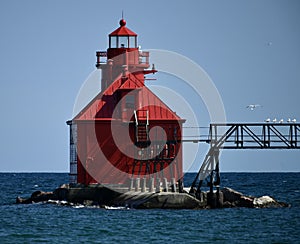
125 132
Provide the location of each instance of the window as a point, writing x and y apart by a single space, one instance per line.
113 42
132 41
129 101
123 41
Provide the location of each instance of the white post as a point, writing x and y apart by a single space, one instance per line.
165 185
151 184
137 184
144 183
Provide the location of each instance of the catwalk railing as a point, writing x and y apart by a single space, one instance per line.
255 135
241 136
250 136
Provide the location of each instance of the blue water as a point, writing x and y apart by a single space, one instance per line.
42 223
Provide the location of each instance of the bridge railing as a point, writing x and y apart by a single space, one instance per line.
242 136
255 135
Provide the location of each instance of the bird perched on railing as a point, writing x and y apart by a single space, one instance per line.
291 120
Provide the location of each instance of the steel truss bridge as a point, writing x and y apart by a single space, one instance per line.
240 136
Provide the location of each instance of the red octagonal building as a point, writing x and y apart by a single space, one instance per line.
126 132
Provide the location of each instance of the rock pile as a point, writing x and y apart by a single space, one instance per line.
98 196
232 198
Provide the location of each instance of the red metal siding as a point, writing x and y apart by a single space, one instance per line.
98 153
101 160
125 102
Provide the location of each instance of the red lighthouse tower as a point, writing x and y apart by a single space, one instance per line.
126 131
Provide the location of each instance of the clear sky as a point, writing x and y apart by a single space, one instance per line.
250 49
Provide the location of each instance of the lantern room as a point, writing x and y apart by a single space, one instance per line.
123 53
123 44
122 37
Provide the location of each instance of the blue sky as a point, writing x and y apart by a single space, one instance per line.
250 49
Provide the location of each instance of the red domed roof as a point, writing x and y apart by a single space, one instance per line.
122 30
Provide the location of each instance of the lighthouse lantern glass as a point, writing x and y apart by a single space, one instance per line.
132 41
113 42
123 41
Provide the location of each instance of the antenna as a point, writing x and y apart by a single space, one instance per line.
122 15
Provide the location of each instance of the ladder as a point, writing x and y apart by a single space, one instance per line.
141 125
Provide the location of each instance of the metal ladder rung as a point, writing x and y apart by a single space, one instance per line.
141 125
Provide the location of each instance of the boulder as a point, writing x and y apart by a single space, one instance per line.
263 201
245 201
37 196
233 198
231 195
267 202
20 200
41 196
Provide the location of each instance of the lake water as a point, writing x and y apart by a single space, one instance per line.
42 223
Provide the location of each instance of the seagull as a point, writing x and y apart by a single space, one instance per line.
253 106
289 120
268 120
275 120
294 120
281 121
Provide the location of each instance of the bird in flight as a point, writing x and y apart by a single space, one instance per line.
253 106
